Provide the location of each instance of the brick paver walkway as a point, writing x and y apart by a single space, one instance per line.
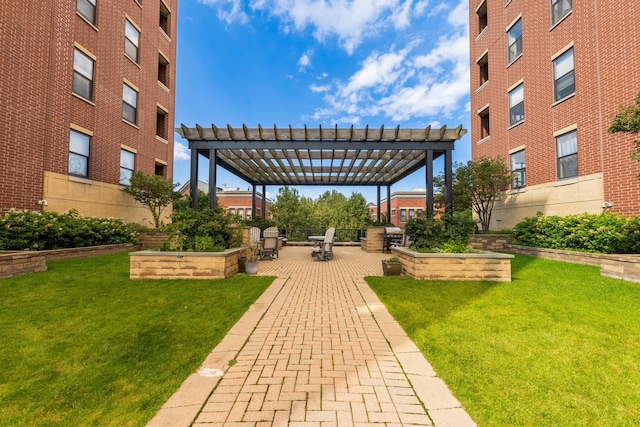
317 349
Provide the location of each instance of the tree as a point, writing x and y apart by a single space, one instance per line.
628 121
488 178
154 192
289 210
462 200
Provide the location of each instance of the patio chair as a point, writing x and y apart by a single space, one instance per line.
269 243
254 236
324 251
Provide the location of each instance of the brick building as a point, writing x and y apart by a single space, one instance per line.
547 79
87 96
233 199
404 206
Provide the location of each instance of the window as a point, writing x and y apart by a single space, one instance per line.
163 70
412 213
82 75
514 37
161 123
482 17
127 165
563 75
559 9
79 154
567 146
483 67
87 8
484 123
129 104
403 215
232 211
249 213
131 41
518 170
241 212
516 105
165 18
160 169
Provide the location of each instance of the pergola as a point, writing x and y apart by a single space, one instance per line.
322 156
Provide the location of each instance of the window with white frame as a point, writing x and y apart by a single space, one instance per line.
514 39
82 75
232 211
127 166
518 170
412 213
79 144
249 212
482 17
483 68
129 104
516 105
567 151
559 9
131 41
564 76
241 212
87 8
403 215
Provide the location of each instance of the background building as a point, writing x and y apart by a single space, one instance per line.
87 92
234 200
404 206
547 79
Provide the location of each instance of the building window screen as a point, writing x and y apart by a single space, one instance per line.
127 166
563 74
131 41
514 38
516 105
518 170
567 147
87 8
79 144
82 75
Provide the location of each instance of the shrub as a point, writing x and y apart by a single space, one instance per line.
203 230
25 230
603 233
451 233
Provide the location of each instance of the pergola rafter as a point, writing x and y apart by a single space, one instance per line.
323 156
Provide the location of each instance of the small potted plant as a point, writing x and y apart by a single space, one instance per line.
391 267
251 263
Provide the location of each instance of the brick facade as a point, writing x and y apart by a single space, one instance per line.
411 202
39 106
604 39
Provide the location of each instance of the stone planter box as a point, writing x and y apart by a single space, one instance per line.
391 268
490 266
183 265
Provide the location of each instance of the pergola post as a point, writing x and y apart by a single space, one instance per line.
193 183
448 182
253 200
388 202
212 178
429 183
264 202
379 204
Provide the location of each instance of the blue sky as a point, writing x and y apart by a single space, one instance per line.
322 62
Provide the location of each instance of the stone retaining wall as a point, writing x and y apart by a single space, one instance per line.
374 242
478 266
25 262
183 265
490 242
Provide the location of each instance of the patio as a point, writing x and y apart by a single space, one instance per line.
317 347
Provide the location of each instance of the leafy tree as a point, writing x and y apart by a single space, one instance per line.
154 192
488 178
289 210
462 198
628 121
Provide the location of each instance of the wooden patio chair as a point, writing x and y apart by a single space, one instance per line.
324 251
269 243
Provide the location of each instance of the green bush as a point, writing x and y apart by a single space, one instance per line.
204 230
451 233
602 233
24 230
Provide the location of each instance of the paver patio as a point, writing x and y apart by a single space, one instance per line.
317 349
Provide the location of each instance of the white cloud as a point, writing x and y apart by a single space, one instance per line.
229 11
320 88
180 151
304 62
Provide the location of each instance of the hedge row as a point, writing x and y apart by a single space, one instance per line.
607 233
24 230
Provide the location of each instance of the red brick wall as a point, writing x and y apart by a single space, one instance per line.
37 105
605 39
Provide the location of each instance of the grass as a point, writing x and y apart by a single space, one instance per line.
82 344
558 346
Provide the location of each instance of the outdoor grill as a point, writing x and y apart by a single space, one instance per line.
393 236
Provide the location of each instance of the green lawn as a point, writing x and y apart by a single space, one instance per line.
82 344
558 346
